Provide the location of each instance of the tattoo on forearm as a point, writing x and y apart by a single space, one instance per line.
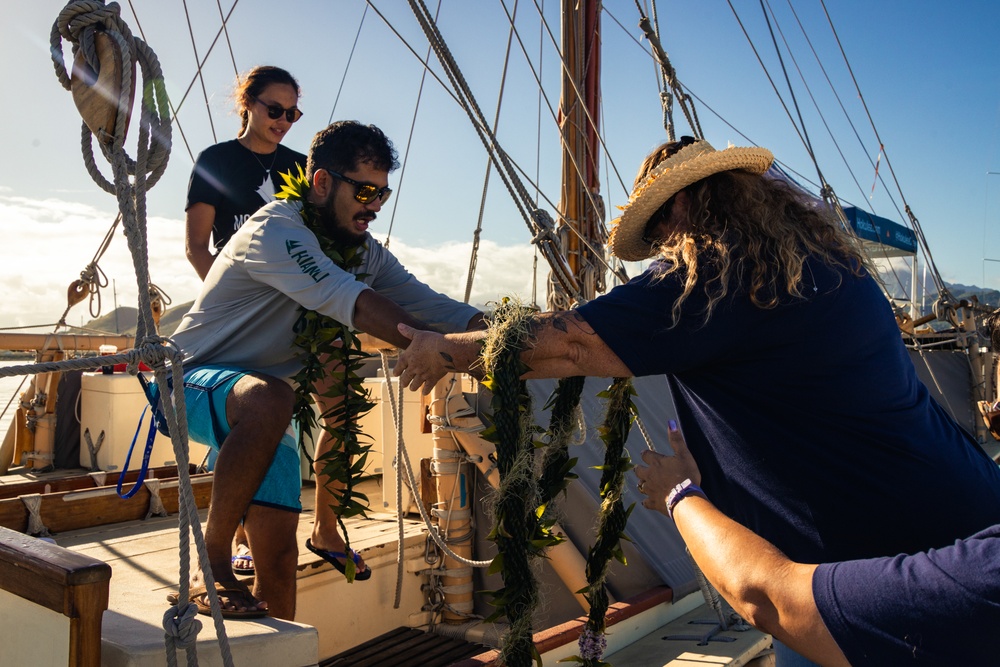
450 366
560 322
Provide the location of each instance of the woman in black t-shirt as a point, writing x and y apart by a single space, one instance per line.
234 178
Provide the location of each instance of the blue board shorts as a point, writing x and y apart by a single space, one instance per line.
206 389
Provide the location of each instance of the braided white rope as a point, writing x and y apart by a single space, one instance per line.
78 22
403 458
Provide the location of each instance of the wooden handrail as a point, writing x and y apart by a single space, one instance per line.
72 584
64 341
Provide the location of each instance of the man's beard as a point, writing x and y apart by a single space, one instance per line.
331 225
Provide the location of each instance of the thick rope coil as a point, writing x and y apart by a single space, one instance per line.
33 503
174 411
77 23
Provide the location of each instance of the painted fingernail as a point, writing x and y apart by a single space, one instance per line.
672 425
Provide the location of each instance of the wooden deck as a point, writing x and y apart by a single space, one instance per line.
143 556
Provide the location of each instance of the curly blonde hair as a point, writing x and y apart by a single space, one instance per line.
751 232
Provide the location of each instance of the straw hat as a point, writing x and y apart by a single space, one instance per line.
689 165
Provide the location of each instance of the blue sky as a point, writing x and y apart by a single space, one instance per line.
928 72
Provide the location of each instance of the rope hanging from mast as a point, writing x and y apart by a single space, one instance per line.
92 27
672 88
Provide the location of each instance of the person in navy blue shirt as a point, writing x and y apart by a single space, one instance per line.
807 419
933 607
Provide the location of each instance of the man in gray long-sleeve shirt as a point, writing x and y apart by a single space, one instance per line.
240 355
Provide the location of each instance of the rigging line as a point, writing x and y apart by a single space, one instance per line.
618 273
614 18
538 222
791 92
659 87
229 43
861 97
425 63
576 91
468 103
812 98
538 120
597 209
669 76
784 166
598 255
201 79
938 281
413 121
197 75
538 167
840 102
579 99
170 102
474 255
350 59
760 61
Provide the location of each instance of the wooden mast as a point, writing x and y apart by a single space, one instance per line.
581 209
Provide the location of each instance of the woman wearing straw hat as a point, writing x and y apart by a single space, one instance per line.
808 421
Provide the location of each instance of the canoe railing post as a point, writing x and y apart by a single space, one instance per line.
46 576
565 558
453 511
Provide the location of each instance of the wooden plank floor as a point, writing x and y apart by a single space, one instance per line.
406 647
685 643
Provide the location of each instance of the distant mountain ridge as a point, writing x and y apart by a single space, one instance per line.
986 296
124 319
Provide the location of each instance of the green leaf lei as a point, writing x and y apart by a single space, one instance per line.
524 519
323 338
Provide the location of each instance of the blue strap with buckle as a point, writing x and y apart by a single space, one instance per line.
150 439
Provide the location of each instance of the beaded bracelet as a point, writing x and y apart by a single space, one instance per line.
685 488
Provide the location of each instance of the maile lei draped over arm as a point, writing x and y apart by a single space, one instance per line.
322 338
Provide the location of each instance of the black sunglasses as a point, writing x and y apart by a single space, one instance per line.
365 193
274 111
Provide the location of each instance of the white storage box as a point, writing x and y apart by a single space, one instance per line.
419 445
113 404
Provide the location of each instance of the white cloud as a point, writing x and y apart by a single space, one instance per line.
500 270
47 243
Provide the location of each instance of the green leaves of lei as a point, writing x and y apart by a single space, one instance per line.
323 339
523 526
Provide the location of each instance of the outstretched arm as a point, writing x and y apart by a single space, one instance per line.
558 345
762 584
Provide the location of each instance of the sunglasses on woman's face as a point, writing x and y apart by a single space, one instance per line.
274 111
365 193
